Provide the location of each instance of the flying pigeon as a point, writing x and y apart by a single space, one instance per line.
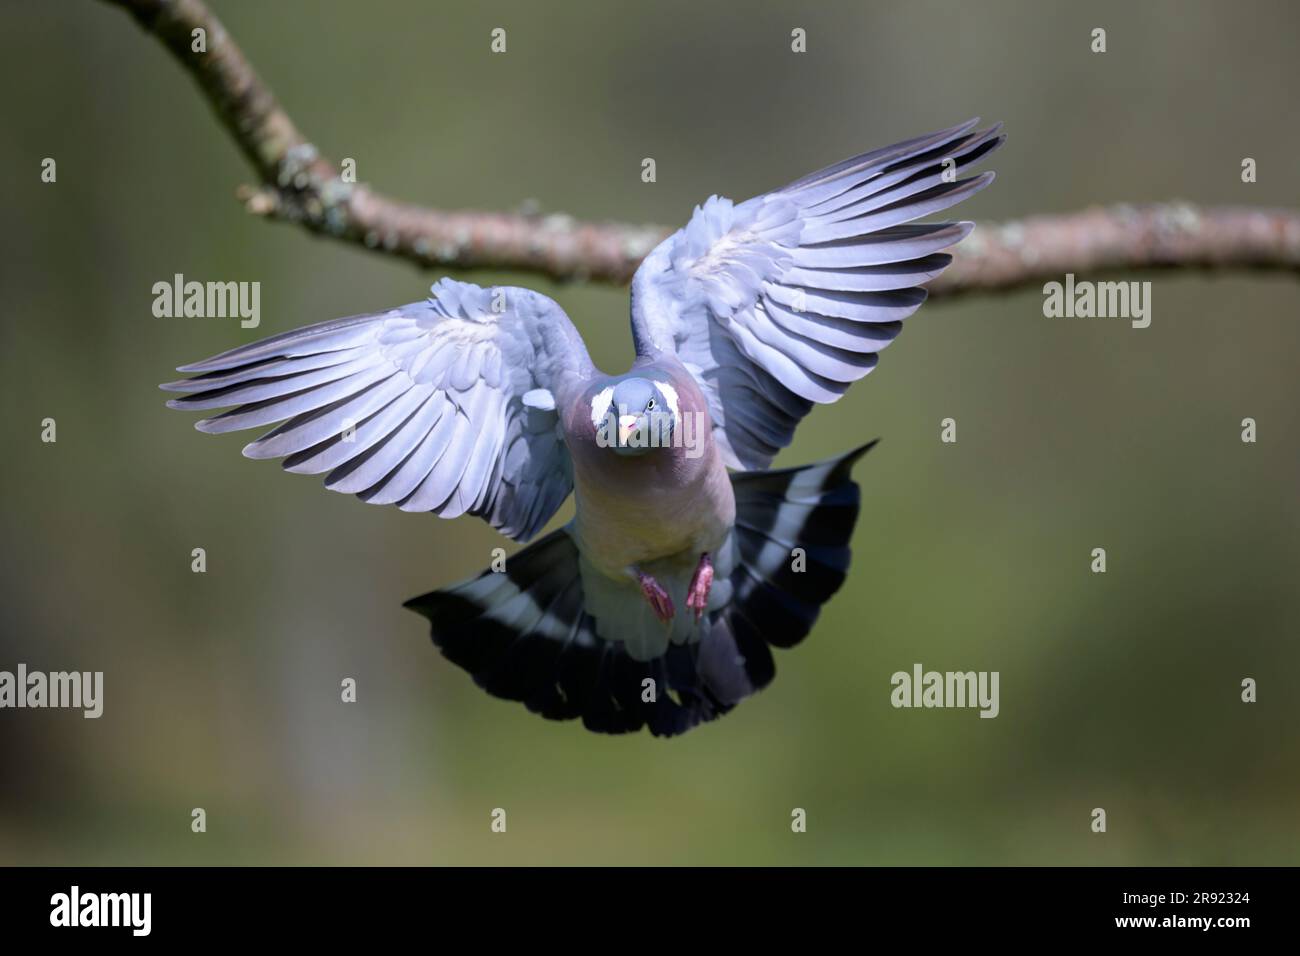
687 559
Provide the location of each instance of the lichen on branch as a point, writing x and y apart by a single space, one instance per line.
299 185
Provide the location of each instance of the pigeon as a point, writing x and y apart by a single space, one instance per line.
688 557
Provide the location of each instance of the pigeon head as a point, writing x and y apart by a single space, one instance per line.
635 414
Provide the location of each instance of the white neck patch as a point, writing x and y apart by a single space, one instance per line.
600 403
670 396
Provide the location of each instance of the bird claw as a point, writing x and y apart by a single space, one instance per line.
656 597
697 596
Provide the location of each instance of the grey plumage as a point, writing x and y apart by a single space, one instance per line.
526 634
422 406
485 402
781 302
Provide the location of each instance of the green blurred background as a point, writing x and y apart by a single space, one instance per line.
1119 690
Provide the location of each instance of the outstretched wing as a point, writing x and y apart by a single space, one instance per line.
783 301
446 405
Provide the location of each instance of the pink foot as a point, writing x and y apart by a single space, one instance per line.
697 597
656 597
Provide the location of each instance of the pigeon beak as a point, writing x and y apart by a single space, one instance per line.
626 426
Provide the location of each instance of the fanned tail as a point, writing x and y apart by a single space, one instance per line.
523 634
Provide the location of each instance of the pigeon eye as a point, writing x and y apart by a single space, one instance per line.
650 405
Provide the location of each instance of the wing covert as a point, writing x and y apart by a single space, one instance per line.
434 406
781 302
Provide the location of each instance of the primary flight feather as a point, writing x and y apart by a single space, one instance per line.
656 605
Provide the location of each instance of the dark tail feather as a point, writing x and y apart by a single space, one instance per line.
523 635
792 528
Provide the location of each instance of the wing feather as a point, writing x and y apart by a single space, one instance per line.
421 406
780 302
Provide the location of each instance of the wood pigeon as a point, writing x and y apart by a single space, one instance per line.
686 559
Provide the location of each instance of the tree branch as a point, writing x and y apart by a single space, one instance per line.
299 185
1123 237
